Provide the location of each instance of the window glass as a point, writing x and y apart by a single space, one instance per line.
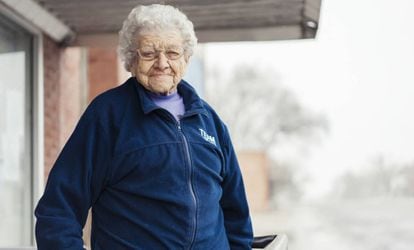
15 135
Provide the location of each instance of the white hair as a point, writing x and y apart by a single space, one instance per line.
149 18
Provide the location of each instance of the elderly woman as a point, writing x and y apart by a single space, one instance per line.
153 160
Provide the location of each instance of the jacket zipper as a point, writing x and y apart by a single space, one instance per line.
190 183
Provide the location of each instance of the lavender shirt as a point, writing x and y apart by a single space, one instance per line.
172 102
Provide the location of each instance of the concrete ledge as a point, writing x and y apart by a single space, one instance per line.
41 18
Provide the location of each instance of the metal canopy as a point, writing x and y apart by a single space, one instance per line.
98 21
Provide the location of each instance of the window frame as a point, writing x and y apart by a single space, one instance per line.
36 106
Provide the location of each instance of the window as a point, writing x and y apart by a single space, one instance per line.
16 123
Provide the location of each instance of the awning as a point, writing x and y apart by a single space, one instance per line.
98 21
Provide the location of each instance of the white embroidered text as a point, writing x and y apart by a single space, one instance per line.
207 137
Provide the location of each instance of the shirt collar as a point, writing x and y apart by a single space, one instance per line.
192 102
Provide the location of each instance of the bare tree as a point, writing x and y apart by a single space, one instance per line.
259 110
380 178
261 113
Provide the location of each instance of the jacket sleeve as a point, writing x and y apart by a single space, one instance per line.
74 183
233 202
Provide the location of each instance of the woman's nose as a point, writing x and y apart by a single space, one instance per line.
161 61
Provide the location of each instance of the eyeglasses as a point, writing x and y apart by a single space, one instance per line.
149 54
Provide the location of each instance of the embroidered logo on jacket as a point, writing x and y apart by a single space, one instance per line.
207 137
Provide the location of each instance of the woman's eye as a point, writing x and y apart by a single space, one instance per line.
148 53
173 53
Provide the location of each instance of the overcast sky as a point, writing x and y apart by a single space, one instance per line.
358 72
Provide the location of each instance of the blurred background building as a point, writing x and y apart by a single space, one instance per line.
56 56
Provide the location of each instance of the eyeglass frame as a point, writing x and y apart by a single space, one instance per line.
158 52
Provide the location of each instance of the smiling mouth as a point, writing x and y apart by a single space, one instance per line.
155 75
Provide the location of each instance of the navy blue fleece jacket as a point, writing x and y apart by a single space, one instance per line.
152 182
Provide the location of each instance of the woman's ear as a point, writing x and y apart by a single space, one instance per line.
186 58
133 68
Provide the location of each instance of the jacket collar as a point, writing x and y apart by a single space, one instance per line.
192 102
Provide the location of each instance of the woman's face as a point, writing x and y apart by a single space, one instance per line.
160 61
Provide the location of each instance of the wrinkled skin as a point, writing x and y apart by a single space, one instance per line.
161 75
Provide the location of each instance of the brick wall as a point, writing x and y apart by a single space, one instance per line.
255 170
72 101
72 78
52 92
64 96
102 70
